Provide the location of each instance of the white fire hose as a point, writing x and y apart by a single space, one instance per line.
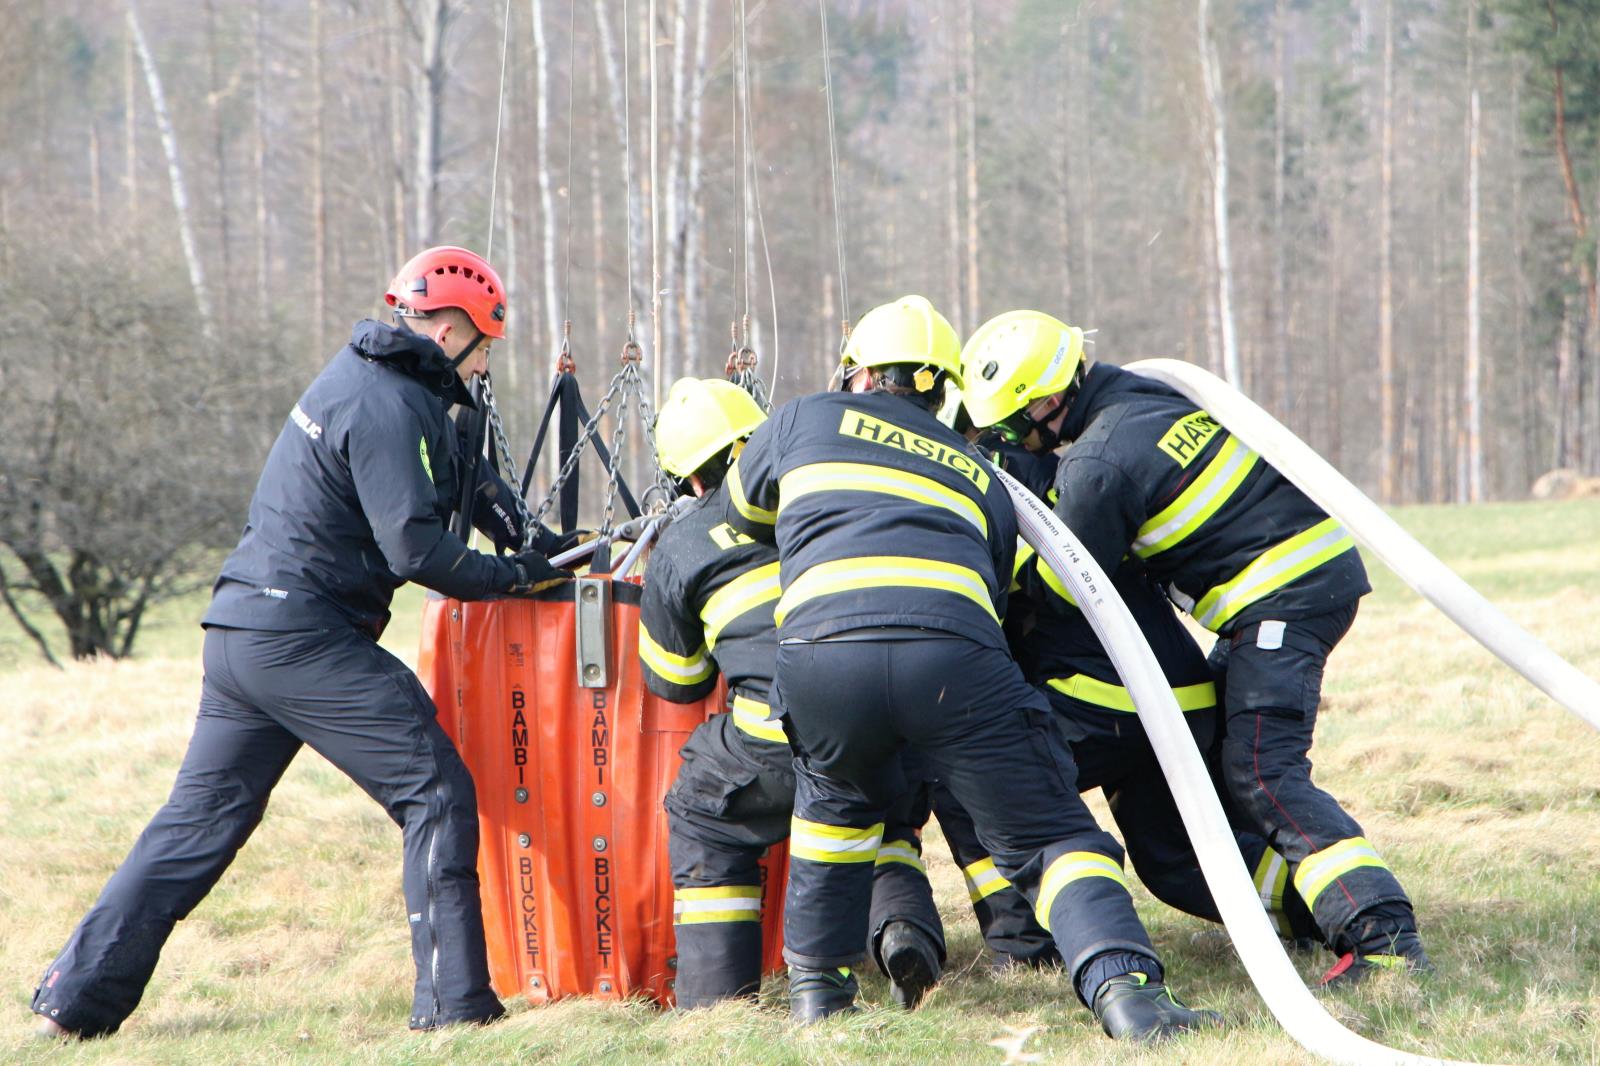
1366 521
1269 968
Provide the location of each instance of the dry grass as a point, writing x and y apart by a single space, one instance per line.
1481 793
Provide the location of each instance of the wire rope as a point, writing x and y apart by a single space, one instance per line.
833 169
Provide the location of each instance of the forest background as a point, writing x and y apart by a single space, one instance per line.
1376 216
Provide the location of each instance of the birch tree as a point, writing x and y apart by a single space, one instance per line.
1211 75
180 194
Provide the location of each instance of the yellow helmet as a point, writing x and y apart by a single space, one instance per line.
1014 359
909 332
700 419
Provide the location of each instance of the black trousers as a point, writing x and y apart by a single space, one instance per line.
264 695
988 736
732 799
1271 675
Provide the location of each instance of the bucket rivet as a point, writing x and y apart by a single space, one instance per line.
599 843
522 795
591 672
599 799
590 593
523 840
605 986
672 962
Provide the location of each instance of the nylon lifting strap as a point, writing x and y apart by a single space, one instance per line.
472 434
567 397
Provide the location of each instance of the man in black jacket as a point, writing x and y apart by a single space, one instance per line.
1147 475
353 502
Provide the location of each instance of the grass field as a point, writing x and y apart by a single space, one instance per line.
1483 795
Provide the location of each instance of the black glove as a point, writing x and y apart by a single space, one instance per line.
534 572
549 542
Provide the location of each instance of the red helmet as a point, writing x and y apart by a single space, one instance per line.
447 276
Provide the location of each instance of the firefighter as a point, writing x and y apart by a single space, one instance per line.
896 545
707 607
351 504
1232 542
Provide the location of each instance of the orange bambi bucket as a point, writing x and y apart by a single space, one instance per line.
577 890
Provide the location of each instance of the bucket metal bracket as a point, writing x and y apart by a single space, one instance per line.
592 596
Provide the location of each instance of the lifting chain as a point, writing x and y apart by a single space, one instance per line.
502 446
741 366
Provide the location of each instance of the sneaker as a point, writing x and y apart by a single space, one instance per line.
1131 1007
911 961
816 994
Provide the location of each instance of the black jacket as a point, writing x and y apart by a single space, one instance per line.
1150 475
356 495
883 516
707 604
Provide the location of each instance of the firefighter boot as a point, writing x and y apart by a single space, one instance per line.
717 961
1401 952
911 962
1130 1007
815 994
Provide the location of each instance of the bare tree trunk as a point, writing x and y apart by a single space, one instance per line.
180 195
1389 441
1280 237
693 222
130 128
319 191
397 138
1571 398
970 65
429 105
1565 445
95 200
621 116
1091 293
1474 366
958 315
1211 74
671 360
259 154
547 210
1065 89
1528 411
214 100
597 209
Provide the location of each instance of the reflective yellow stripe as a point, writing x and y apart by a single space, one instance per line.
1054 582
983 880
1116 698
679 669
1320 869
1272 877
1024 553
904 851
750 716
1202 499
743 505
744 593
731 903
865 477
1070 867
1271 570
884 571
833 843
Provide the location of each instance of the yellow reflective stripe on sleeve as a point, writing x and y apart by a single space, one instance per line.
983 880
702 906
1070 867
679 669
884 571
742 504
1271 570
750 716
902 851
744 593
1116 697
1202 499
833 843
1055 583
1272 878
1025 552
865 477
1322 868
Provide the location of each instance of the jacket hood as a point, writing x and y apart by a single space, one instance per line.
414 354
